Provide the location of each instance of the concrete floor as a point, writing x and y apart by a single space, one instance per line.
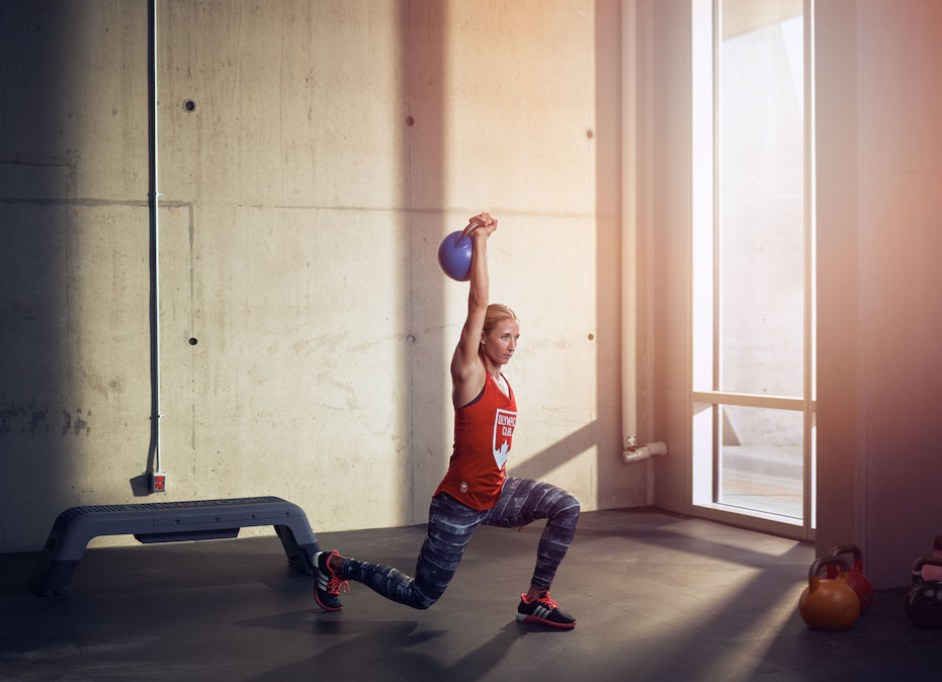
658 597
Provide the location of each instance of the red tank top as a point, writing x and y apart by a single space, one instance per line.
484 430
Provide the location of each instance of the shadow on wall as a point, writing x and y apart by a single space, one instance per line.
422 198
38 160
73 219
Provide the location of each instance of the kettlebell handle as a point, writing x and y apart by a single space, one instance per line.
923 561
849 549
821 562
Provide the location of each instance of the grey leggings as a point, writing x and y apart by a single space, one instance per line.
450 527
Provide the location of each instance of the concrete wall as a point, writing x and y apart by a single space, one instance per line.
311 156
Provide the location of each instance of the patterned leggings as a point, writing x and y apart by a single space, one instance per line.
450 527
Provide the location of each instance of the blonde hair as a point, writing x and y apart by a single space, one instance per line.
495 313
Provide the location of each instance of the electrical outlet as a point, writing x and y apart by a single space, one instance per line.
158 482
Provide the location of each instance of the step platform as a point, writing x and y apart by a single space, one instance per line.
169 522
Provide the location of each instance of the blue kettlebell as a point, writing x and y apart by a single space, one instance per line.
454 256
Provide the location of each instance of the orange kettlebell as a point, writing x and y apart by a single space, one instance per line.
828 603
855 577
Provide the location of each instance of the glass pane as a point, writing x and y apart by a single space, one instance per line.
760 460
761 203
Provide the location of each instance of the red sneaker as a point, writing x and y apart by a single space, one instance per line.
544 611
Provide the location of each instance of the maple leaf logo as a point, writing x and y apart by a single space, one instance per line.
500 456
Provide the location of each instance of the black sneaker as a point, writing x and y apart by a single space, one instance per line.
327 584
544 611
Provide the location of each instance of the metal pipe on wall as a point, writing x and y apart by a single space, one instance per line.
157 477
629 225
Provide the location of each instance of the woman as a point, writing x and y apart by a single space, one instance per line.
475 488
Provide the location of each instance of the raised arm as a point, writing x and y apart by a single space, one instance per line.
467 369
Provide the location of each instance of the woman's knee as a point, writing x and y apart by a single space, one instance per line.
567 506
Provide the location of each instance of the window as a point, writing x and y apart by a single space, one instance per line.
753 260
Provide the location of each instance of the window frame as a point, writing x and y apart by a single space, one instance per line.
705 398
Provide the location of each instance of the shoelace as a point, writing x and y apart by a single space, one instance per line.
546 600
336 585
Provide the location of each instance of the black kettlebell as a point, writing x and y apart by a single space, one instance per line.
924 601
